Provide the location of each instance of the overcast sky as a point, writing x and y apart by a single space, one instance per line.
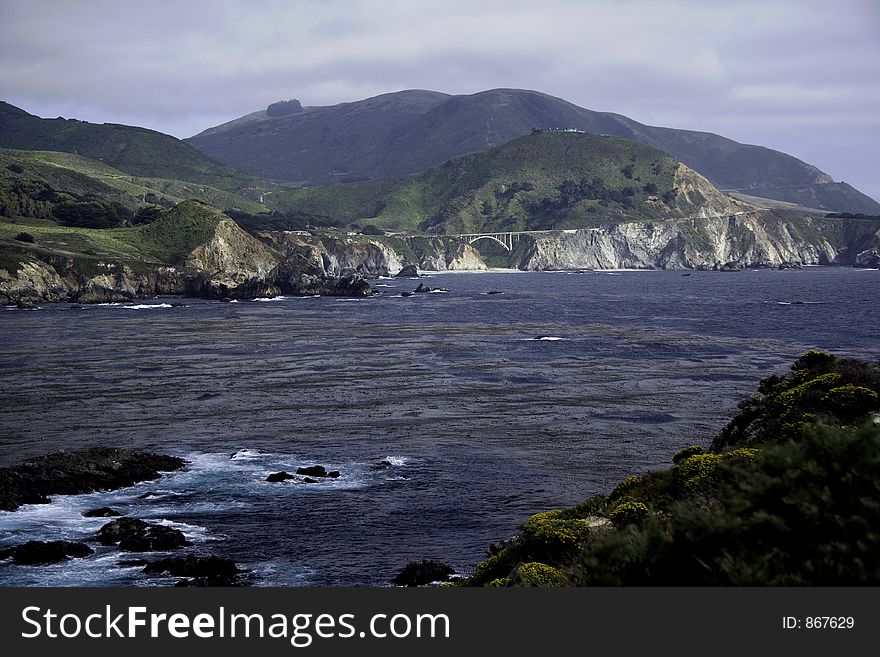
801 76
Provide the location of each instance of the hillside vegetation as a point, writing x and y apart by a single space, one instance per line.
406 132
43 185
787 495
134 151
537 182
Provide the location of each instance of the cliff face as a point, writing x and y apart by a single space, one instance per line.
744 240
232 263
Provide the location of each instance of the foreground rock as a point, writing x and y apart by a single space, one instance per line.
133 535
40 553
420 573
201 571
85 471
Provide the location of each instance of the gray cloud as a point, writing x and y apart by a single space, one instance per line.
797 75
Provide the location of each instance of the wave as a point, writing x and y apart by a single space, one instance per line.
397 461
280 298
551 338
147 306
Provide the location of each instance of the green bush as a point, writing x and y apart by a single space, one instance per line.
625 487
687 452
628 513
537 574
850 402
25 237
15 168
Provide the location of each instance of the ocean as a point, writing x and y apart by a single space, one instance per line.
451 416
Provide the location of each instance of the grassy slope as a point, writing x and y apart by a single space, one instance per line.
86 177
135 151
487 191
166 241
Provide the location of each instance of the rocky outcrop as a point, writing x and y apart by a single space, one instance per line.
233 264
276 477
40 553
421 573
200 571
133 535
317 471
102 512
85 471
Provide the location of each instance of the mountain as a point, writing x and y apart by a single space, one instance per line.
134 151
406 132
545 181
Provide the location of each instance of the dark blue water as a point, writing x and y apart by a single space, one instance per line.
484 424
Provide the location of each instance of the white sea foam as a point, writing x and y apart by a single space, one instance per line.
397 460
551 338
270 299
147 306
439 292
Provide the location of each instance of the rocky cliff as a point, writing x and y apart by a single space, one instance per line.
749 239
743 238
200 252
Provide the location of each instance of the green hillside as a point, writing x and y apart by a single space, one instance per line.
166 241
542 181
32 183
406 132
134 151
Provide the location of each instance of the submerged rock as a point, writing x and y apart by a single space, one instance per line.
275 477
312 471
420 573
103 512
84 471
40 553
203 571
134 535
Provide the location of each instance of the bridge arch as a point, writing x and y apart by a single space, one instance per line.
490 237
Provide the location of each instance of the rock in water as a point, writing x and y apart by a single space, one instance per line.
409 271
84 471
103 512
40 553
133 535
422 288
275 477
313 471
204 571
420 573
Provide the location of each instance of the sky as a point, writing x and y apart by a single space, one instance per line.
800 76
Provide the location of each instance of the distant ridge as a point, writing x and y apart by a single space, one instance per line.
408 131
133 150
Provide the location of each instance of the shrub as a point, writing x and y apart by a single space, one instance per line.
629 513
369 229
537 574
696 470
15 168
25 237
687 452
850 402
624 488
813 360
